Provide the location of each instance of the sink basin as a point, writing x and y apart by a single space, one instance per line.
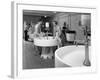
71 56
45 41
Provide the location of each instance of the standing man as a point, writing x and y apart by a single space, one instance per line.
37 31
57 32
56 28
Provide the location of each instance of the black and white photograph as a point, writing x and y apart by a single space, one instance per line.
52 39
56 39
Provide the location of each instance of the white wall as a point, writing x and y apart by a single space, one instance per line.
75 18
5 39
61 18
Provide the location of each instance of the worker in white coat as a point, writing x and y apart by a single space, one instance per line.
37 32
37 29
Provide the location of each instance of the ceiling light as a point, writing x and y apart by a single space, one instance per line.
45 16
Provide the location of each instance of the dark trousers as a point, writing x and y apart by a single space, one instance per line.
26 36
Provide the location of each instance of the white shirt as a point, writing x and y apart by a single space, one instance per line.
37 28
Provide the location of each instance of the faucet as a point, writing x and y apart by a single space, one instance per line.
86 61
75 43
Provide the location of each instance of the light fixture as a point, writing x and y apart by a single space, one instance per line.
45 16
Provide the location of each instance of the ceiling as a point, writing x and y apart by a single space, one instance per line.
39 13
46 13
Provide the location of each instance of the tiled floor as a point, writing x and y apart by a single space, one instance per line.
32 60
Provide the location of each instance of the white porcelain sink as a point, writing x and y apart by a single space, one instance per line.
71 56
45 42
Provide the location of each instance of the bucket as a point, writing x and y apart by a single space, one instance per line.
70 35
